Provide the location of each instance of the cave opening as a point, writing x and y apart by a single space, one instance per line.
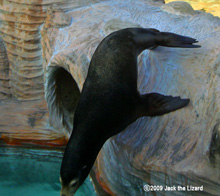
67 90
62 95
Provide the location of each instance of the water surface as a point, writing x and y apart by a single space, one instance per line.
33 172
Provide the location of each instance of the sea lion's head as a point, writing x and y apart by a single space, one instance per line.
71 181
69 189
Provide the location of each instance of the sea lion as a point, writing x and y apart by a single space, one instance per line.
110 100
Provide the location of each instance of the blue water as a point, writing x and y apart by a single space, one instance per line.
33 172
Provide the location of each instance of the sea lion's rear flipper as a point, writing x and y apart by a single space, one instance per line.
175 40
155 104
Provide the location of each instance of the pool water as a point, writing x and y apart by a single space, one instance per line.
33 172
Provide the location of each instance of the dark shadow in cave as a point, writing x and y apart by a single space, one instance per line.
62 95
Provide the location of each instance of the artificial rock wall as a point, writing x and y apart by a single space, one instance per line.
22 96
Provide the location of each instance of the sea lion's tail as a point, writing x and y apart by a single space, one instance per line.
175 40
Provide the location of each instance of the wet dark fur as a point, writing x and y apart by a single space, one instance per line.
110 100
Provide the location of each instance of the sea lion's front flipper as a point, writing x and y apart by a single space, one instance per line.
155 104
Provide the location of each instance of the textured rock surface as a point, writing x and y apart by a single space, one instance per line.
19 28
181 148
4 72
210 6
24 114
21 67
20 31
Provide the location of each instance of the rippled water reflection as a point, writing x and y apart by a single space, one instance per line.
26 172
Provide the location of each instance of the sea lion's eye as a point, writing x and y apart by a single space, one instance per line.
84 167
73 183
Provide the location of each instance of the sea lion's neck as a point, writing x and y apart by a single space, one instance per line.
86 141
82 149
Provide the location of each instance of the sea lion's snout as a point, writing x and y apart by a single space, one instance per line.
70 188
66 192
